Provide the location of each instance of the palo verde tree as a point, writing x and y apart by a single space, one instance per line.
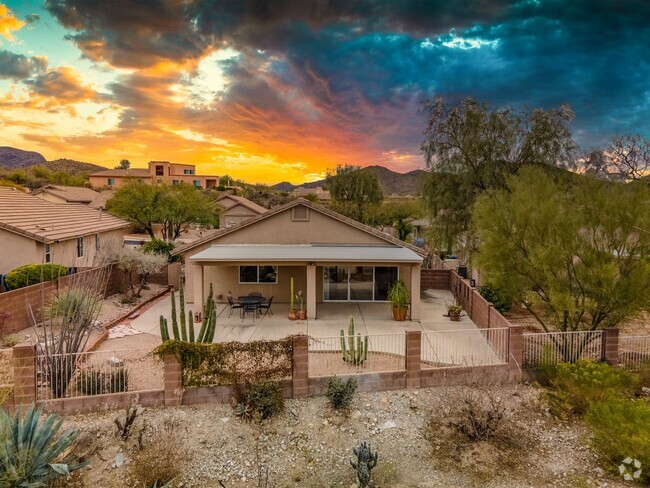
577 256
471 148
175 207
355 192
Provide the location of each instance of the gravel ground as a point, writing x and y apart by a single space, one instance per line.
310 445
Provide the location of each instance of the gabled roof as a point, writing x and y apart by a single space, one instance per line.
48 222
72 194
124 173
281 208
100 200
245 202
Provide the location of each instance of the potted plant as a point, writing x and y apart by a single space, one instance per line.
454 312
399 299
302 313
292 309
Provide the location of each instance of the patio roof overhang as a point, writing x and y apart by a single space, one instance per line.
304 253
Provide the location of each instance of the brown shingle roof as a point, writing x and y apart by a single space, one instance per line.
72 194
124 173
242 201
281 208
48 222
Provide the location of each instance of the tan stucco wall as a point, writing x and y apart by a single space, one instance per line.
17 251
235 215
99 182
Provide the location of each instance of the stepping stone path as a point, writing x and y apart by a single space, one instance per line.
122 330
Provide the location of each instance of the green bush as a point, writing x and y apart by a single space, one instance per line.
622 429
576 386
31 274
498 299
340 393
10 340
265 399
158 246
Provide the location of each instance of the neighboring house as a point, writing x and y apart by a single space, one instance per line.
157 173
66 194
332 259
237 210
35 231
100 201
301 191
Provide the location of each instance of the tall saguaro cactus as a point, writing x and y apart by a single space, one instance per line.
354 352
186 331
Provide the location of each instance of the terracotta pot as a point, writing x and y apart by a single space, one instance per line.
302 314
454 317
292 314
399 314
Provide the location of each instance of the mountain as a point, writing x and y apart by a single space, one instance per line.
73 167
391 182
13 158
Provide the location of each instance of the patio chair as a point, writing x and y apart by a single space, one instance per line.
266 306
255 294
234 305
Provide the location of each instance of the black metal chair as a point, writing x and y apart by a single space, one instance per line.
255 294
266 306
234 305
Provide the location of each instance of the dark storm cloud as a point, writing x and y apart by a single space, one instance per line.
32 18
360 64
62 85
19 67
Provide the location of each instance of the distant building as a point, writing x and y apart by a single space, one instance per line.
36 231
157 173
237 210
66 194
302 192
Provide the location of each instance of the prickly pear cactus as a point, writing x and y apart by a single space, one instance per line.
365 461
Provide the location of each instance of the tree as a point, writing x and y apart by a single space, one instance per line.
626 158
354 192
398 216
130 260
124 164
471 148
175 207
576 256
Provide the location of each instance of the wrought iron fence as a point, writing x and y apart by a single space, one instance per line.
547 348
634 352
464 347
385 352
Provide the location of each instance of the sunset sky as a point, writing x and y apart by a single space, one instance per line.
284 89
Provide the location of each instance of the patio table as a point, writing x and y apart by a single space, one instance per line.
250 303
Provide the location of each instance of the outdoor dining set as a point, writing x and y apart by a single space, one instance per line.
254 302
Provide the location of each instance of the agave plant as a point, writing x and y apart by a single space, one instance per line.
31 455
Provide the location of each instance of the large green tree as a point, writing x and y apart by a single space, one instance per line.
354 192
175 207
625 158
470 148
577 255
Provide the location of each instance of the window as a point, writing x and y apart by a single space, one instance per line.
258 274
80 247
358 283
48 253
197 183
160 171
111 181
188 171
97 242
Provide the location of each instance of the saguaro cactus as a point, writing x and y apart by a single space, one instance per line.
186 331
365 461
209 325
355 352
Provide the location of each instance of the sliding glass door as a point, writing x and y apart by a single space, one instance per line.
358 283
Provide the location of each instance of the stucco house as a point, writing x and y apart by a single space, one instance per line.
36 231
330 257
236 210
158 172
66 194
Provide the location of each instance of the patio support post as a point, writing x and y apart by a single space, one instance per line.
311 291
415 292
198 287
24 374
516 351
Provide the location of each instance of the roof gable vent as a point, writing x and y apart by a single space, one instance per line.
300 213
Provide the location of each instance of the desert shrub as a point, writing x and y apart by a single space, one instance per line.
160 460
479 417
31 452
340 393
158 246
574 387
77 304
622 429
90 381
265 399
384 475
10 340
500 300
118 380
31 274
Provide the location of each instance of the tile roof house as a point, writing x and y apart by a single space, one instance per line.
35 231
330 257
66 194
237 209
158 172
321 194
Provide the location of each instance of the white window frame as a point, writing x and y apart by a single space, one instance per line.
80 247
258 282
48 253
348 267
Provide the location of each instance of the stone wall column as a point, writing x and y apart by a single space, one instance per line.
413 358
173 380
516 349
300 366
24 374
610 346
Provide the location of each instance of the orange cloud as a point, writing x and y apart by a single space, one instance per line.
8 23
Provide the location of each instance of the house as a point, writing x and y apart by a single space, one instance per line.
237 210
66 194
330 257
158 172
301 191
36 231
